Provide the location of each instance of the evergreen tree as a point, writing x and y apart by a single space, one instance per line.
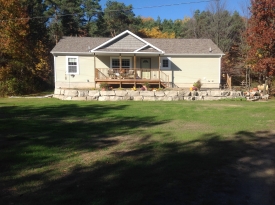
118 17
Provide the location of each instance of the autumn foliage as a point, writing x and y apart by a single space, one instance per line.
155 32
261 37
24 64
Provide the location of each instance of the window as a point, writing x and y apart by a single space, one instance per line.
125 62
72 65
165 63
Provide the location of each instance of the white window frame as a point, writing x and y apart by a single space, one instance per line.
111 61
169 63
67 65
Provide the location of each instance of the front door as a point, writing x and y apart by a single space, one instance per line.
145 68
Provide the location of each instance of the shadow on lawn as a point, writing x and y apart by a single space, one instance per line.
206 171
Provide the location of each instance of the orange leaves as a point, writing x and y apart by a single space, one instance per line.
24 60
155 32
261 36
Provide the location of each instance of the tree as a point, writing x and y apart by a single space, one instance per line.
155 32
118 17
66 17
25 54
261 37
92 11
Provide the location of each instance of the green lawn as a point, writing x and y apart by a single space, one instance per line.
68 152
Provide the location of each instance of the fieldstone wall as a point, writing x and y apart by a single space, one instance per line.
165 95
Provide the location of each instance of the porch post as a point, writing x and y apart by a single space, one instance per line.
120 62
94 70
159 70
135 69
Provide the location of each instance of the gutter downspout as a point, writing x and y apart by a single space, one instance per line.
94 70
159 70
54 65
135 70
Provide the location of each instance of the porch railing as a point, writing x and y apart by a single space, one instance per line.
141 74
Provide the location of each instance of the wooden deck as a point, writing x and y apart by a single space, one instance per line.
157 78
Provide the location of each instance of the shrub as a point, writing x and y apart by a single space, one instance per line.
198 84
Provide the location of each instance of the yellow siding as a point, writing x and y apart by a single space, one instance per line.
85 78
186 70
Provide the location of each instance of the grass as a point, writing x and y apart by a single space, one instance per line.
65 152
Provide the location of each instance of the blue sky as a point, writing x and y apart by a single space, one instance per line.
179 11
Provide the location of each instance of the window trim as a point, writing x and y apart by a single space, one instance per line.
111 61
67 65
169 62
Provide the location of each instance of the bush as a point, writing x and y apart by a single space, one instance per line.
198 84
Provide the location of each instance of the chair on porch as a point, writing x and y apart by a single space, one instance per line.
111 73
131 74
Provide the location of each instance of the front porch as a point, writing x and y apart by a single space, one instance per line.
134 77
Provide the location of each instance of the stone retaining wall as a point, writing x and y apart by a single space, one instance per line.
165 95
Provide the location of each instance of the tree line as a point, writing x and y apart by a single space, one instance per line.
29 29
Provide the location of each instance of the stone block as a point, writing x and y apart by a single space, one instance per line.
92 98
94 93
194 93
71 93
83 93
234 94
60 97
147 93
203 93
216 93
57 91
138 98
128 97
225 93
116 98
67 98
107 93
62 92
161 98
183 93
149 98
212 98
159 94
133 93
79 98
175 98
104 98
168 98
171 93
121 92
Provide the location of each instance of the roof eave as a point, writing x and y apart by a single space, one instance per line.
194 54
104 52
71 53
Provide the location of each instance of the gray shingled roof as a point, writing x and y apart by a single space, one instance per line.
169 46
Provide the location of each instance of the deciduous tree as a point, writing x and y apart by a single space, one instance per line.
261 37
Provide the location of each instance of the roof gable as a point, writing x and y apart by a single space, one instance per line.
126 42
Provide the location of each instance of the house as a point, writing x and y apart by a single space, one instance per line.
128 60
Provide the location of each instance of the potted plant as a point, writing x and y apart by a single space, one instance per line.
104 86
145 86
